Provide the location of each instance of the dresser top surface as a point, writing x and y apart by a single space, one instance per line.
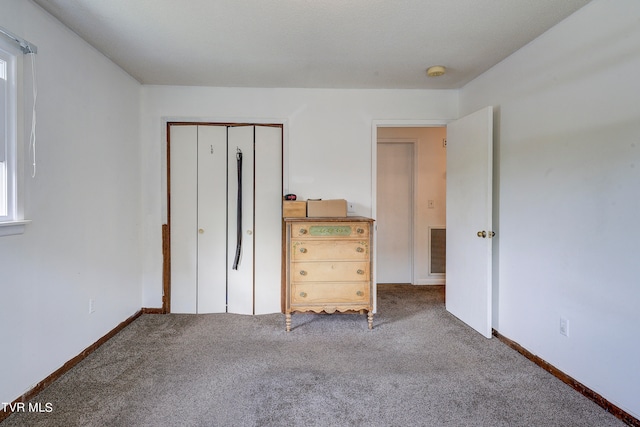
330 219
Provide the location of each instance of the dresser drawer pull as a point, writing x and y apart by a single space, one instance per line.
303 294
303 273
360 230
303 250
303 231
360 293
360 271
359 249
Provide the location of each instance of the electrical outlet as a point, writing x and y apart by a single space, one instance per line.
350 207
564 327
431 204
92 308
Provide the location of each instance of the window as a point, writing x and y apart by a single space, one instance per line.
11 221
7 134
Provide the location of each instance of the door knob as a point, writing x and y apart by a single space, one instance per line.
482 234
201 230
249 232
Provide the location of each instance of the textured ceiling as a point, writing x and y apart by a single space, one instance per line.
308 43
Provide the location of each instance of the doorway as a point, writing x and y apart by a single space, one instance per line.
426 187
471 291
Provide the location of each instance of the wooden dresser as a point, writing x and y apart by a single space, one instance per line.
328 266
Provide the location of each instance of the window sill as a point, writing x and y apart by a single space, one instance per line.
10 228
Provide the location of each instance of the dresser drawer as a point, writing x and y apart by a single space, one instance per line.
331 230
334 292
302 250
327 271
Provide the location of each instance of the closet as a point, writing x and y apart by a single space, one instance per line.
225 244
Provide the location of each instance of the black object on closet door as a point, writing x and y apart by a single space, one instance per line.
239 222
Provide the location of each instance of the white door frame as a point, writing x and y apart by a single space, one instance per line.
412 243
375 124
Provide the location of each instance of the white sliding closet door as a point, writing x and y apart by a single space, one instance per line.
212 217
268 219
184 218
240 281
203 177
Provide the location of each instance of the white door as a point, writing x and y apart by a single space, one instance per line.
394 211
203 179
240 279
184 218
211 216
268 220
469 219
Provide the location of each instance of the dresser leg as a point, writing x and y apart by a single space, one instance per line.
288 321
370 319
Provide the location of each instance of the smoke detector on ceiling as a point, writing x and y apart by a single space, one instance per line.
436 70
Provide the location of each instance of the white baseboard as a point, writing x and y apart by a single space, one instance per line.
431 281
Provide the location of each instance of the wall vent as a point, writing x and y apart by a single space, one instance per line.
437 250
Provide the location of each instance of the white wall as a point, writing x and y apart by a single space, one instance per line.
568 179
430 184
327 142
84 203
